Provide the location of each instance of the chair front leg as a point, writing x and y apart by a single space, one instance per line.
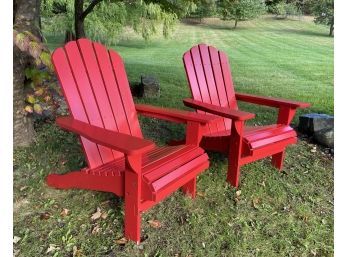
132 219
285 116
235 152
190 188
193 137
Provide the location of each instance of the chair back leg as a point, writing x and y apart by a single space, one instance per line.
278 160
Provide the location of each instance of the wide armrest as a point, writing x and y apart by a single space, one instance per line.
270 101
218 110
124 143
174 115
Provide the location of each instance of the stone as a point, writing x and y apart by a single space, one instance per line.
325 137
151 86
313 122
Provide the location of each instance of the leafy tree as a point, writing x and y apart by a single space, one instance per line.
282 9
104 20
324 13
239 10
205 8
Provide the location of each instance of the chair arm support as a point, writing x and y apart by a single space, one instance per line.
124 143
178 116
270 101
218 110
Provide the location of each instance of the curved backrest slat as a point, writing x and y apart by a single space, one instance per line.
209 75
97 92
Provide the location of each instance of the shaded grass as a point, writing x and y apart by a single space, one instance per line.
277 214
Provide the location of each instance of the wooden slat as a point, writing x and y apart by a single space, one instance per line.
98 88
226 71
170 162
203 87
178 173
86 93
74 102
112 88
125 93
219 81
209 76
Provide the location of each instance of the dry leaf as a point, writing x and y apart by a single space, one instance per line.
155 223
64 212
77 252
104 215
52 248
202 194
121 241
97 214
263 183
96 230
256 202
16 239
23 188
238 193
45 215
105 202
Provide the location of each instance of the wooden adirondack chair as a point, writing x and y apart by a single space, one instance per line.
210 80
120 161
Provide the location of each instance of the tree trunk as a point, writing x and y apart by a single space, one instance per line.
235 23
331 28
79 19
26 16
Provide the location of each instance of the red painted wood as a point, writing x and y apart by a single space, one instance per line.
125 93
74 102
210 73
115 140
271 101
218 110
112 88
226 71
174 115
86 93
98 87
120 161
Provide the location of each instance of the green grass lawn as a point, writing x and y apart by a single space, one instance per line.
276 214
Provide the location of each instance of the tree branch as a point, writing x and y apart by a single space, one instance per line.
90 8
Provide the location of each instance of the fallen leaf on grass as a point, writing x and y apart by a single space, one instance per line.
104 215
97 214
263 183
64 212
16 239
77 252
238 193
201 194
121 241
96 230
45 215
52 248
256 202
63 162
155 223
23 188
105 202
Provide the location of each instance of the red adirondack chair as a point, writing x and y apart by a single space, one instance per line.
120 161
210 80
